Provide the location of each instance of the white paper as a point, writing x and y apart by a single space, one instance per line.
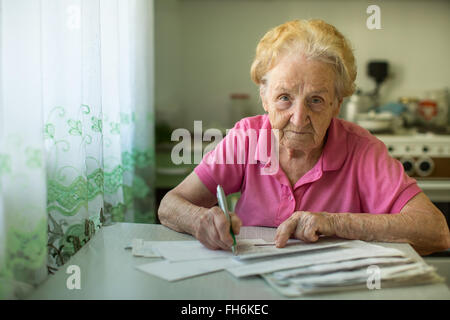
360 275
141 248
342 280
173 271
353 250
413 273
341 265
194 250
246 249
291 247
291 290
265 233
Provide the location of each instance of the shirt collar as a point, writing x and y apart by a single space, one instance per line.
333 154
264 143
335 151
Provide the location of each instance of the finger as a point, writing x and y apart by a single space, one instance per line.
209 244
213 239
299 232
220 244
217 240
278 231
207 238
203 233
222 227
284 232
294 217
310 234
209 234
236 223
307 228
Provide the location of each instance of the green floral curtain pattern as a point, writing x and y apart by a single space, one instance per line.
23 223
81 99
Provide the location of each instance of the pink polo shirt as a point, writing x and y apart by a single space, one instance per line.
355 173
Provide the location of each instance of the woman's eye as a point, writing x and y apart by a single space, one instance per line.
316 100
283 98
283 102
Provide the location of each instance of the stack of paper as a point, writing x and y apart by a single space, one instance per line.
184 259
393 273
348 250
299 268
353 265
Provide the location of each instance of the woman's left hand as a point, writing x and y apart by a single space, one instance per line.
306 226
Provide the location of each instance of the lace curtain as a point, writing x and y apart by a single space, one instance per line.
76 129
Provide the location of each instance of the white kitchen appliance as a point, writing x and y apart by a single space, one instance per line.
426 157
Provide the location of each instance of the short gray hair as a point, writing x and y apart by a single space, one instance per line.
315 39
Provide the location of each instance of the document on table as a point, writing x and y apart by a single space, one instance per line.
390 276
246 249
194 250
190 258
339 265
359 275
330 264
354 249
265 233
173 271
258 251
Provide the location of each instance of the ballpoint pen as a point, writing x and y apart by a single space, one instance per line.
223 205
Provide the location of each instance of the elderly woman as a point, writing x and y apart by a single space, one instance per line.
333 179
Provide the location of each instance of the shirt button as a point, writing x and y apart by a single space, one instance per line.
291 198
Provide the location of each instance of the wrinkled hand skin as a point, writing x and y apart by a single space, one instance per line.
306 226
213 229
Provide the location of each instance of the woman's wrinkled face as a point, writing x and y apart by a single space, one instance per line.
299 97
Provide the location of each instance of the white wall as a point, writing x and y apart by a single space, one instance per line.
204 48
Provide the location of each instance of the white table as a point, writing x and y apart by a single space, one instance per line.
108 272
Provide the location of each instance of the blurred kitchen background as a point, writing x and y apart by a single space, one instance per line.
204 50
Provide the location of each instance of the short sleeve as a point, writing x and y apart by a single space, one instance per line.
384 187
225 164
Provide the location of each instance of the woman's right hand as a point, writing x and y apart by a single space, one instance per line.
213 229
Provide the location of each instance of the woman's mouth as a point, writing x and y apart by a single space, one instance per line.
299 132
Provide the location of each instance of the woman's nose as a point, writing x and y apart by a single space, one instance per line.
299 115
